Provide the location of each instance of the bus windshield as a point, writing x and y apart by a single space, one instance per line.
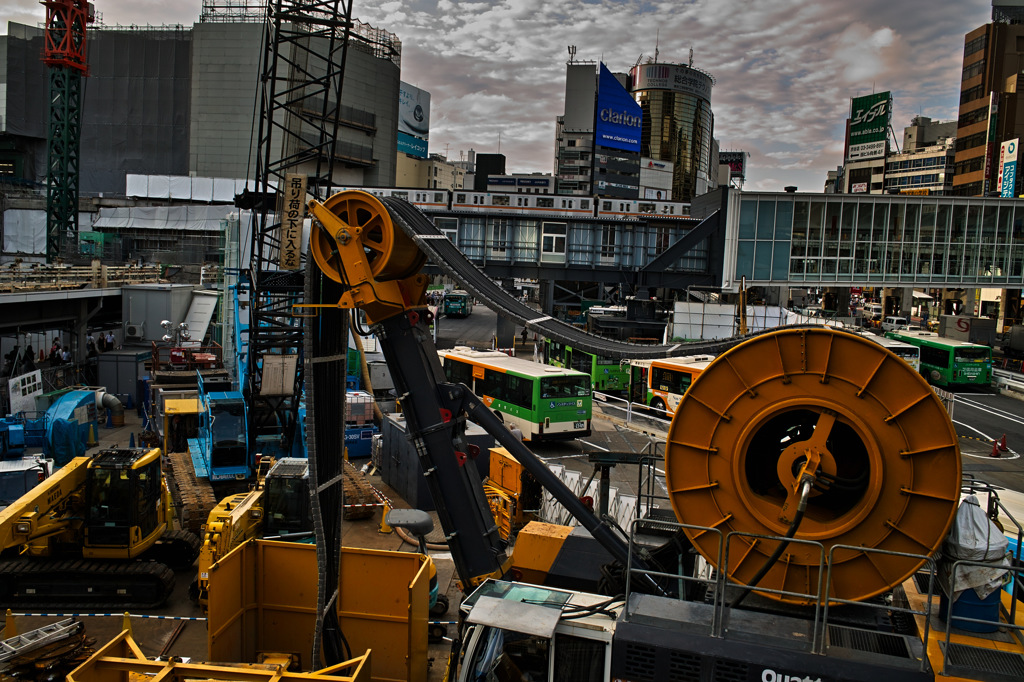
971 354
565 387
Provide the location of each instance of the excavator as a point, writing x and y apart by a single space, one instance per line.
96 534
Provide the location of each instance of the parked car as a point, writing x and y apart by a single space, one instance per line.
893 322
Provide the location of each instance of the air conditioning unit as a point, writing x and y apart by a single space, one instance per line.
134 330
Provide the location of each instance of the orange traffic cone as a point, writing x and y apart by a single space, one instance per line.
1002 444
42 356
995 449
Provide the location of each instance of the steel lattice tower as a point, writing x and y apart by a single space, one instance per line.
64 52
299 101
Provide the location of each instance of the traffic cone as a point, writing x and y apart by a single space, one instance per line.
10 627
92 437
42 355
1002 444
128 401
110 419
995 449
384 528
131 441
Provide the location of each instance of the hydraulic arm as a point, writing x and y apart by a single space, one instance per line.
355 242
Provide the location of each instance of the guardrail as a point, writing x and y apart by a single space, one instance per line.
1011 381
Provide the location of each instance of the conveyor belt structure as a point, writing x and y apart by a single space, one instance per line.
443 253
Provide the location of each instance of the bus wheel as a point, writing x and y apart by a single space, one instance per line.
500 417
658 406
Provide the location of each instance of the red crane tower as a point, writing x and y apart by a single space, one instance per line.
64 52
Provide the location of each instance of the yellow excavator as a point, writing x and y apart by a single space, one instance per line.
96 534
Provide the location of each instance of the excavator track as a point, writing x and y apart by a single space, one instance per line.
360 496
179 549
193 496
84 584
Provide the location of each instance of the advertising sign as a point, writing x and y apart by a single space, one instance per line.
869 126
413 111
291 225
413 146
674 77
737 162
619 118
1008 167
858 188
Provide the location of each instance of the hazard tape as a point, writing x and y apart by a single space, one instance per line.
381 501
109 615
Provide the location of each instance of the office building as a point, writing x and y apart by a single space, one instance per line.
597 139
678 123
179 100
989 110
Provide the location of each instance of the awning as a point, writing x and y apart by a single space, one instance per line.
921 294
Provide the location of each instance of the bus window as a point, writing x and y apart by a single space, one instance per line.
565 387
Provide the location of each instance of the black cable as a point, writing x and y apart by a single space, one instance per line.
805 490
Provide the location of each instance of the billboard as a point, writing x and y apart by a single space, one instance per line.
618 117
1008 167
674 77
869 126
737 162
413 111
413 146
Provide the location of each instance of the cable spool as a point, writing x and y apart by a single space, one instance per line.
390 253
881 449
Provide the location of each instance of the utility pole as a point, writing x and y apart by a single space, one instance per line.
64 52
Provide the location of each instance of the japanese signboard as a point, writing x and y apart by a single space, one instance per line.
869 126
294 211
1008 167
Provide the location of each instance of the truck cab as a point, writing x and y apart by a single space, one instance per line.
519 631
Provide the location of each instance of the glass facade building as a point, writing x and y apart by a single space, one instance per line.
874 240
678 124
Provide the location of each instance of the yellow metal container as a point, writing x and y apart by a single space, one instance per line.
263 600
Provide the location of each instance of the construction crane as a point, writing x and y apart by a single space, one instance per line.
64 52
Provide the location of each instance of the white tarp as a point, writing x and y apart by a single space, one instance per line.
136 185
974 537
224 189
719 320
181 186
191 218
24 231
202 189
160 186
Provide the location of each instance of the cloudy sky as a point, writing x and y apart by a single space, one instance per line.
785 70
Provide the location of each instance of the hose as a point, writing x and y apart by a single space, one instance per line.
805 491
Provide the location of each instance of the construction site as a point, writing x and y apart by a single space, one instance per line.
246 439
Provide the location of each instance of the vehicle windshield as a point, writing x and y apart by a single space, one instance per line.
228 424
971 354
565 387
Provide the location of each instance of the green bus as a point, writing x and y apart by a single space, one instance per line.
457 303
949 362
544 402
606 376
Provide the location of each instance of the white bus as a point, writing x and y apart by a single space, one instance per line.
911 354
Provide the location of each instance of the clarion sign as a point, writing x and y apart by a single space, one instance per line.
620 117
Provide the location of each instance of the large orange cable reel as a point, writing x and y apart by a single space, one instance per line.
882 448
360 245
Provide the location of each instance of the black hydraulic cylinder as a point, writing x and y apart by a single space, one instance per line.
430 412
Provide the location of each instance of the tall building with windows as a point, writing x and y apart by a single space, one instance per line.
678 124
989 109
597 140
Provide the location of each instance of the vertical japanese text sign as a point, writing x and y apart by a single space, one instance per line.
291 226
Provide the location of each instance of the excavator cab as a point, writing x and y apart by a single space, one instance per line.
286 498
121 519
